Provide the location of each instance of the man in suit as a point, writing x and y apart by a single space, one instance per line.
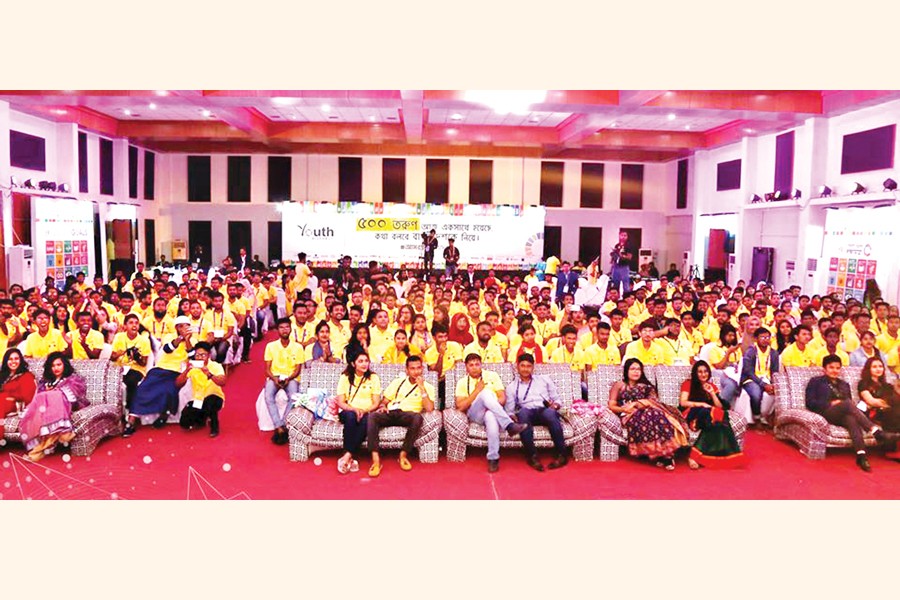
241 261
759 364
566 282
469 277
829 396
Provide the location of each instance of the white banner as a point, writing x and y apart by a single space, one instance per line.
485 235
63 238
859 244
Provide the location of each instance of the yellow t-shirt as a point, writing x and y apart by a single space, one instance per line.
203 386
552 265
695 339
94 339
379 341
284 359
654 355
575 359
886 343
302 333
220 322
339 338
360 394
595 355
122 342
623 336
302 276
406 396
792 356
491 380
677 352
546 329
489 354
159 329
452 355
37 346
823 352
393 356
172 361
717 353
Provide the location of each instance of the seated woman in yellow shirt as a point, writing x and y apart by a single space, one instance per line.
400 350
358 394
207 399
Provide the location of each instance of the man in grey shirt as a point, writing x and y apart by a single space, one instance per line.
534 400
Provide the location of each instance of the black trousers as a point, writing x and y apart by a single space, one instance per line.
131 380
854 420
196 417
541 416
220 351
354 430
248 339
412 421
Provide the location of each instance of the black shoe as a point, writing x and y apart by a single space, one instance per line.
275 437
213 430
514 429
561 461
535 464
129 431
160 422
493 465
862 461
282 438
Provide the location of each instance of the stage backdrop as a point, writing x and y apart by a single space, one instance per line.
63 238
489 236
859 244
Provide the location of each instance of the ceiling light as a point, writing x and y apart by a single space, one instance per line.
671 117
206 113
127 112
507 101
780 195
456 117
825 191
890 185
748 131
281 101
59 111
326 108
372 118
162 93
152 106
687 126
451 132
858 188
612 124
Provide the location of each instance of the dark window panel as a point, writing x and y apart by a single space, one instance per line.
591 185
682 185
106 167
437 180
868 150
590 243
149 175
275 240
239 179
552 240
393 180
784 162
132 172
199 178
82 162
150 242
632 194
728 175
27 151
350 179
481 173
551 183
279 178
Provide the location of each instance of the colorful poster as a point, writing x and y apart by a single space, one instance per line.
63 238
859 245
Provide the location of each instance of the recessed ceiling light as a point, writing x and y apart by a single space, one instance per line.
372 118
687 126
205 113
59 111
162 93
282 101
152 106
293 117
748 131
127 112
671 117
456 117
451 132
612 124
326 108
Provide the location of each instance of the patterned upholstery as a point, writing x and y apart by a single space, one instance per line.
667 379
810 431
578 431
102 419
307 434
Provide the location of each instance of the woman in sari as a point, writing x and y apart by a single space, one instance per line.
706 412
653 429
882 400
460 330
17 385
48 419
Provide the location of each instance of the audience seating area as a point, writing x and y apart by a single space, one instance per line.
100 420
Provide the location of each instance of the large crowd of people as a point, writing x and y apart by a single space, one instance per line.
168 331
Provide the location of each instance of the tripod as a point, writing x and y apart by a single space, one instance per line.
693 273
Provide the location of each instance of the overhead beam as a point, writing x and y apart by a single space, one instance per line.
794 101
412 111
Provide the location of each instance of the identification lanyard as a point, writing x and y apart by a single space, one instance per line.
221 321
469 383
414 387
528 389
358 386
760 367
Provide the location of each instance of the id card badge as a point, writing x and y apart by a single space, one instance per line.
218 333
198 404
862 406
394 405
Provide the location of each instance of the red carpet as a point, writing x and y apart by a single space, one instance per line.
242 463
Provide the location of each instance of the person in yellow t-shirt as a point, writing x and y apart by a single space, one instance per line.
45 340
691 333
677 350
207 396
85 342
381 333
602 352
889 341
832 346
9 331
646 349
619 331
400 350
443 355
284 359
484 346
480 395
799 354
358 395
303 273
569 352
403 401
130 350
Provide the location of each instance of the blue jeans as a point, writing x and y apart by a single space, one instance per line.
620 274
450 270
271 391
728 389
487 411
541 415
755 391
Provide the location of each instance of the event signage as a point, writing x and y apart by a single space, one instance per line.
858 246
488 235
63 238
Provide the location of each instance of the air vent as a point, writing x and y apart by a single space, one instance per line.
333 118
812 264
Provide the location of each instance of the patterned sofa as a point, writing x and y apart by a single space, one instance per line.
307 435
579 433
810 431
667 379
102 419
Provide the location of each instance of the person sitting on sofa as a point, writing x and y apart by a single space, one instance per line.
829 395
534 400
358 395
402 405
480 396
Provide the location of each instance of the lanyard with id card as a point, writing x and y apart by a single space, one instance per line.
395 403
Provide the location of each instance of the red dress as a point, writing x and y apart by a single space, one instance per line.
20 389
